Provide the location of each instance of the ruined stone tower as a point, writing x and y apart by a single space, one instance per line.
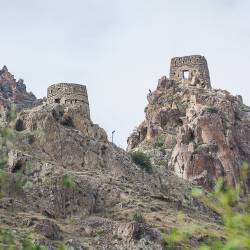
71 95
192 70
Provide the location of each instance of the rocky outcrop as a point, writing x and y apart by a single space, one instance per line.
199 133
82 190
49 229
14 92
54 148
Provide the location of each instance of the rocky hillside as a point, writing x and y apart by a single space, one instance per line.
82 191
14 92
195 131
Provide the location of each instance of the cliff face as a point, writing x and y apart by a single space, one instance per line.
83 191
12 91
198 133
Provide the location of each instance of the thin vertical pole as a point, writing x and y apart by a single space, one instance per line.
113 136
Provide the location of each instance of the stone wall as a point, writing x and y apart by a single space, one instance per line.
192 70
69 94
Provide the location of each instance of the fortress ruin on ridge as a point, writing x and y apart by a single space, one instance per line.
192 70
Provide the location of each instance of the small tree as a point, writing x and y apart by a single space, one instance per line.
234 211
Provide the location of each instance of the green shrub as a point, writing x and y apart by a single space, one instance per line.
9 240
142 160
212 110
68 181
159 142
161 162
234 211
138 217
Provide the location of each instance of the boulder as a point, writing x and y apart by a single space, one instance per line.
49 229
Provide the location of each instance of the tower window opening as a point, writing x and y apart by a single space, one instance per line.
57 100
185 74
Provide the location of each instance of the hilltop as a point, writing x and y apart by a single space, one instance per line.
193 130
85 192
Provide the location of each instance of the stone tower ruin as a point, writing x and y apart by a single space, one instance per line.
191 70
71 95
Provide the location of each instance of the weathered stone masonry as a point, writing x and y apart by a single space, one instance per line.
192 70
69 94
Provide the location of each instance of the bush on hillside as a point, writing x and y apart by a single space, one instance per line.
142 160
138 217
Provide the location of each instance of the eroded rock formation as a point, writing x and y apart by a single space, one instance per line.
198 132
14 92
85 192
82 190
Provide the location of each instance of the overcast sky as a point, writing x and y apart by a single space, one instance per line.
119 48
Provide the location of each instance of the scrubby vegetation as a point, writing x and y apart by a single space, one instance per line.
211 109
12 185
138 217
142 160
68 181
235 214
159 143
228 202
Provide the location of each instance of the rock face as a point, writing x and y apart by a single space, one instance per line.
198 132
48 229
14 92
82 190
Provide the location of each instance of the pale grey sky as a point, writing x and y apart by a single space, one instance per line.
119 49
